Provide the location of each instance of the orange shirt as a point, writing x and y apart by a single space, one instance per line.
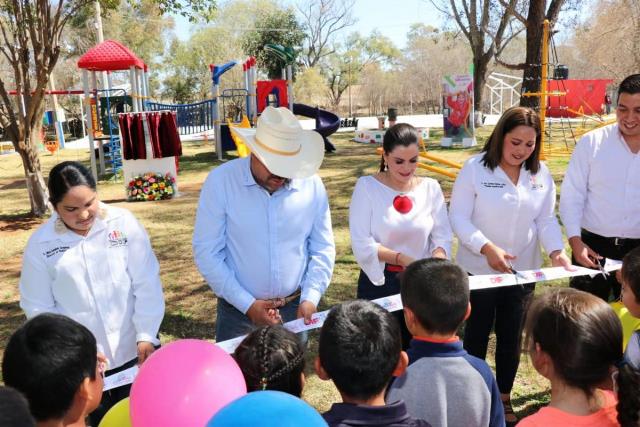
552 417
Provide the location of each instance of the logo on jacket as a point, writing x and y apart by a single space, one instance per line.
117 238
535 185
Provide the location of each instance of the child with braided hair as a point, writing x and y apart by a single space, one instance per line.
272 358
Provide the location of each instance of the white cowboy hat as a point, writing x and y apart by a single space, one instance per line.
282 145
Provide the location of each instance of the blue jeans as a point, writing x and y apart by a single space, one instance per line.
231 322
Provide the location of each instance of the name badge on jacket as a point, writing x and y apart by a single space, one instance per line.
117 238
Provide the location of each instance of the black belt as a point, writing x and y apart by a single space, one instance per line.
616 241
286 300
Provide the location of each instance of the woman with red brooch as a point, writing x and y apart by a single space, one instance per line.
395 218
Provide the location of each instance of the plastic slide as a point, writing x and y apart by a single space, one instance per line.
327 123
243 150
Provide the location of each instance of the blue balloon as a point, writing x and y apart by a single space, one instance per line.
267 409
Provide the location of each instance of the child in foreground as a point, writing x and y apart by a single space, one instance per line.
14 409
575 341
272 358
360 349
443 383
630 291
53 361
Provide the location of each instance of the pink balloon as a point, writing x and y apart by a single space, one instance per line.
183 384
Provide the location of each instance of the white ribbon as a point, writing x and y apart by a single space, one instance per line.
393 303
121 378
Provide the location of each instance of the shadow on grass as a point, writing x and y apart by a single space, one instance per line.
182 325
15 185
530 403
111 201
19 221
203 161
12 317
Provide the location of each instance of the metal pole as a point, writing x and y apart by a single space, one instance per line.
290 85
254 92
543 95
82 118
216 118
94 82
134 88
349 83
101 38
56 107
87 102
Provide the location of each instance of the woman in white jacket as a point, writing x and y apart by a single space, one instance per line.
395 218
94 263
502 208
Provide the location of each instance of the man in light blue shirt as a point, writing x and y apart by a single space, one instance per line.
263 238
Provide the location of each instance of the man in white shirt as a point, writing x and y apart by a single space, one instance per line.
600 197
263 238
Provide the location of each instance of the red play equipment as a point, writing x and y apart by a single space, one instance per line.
583 97
110 56
272 89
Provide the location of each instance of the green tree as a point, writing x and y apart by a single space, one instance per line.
310 87
430 54
537 13
31 43
188 77
278 26
488 27
344 66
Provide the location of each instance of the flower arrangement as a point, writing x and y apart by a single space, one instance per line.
151 186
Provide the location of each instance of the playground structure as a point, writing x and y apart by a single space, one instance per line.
502 87
53 121
111 56
260 94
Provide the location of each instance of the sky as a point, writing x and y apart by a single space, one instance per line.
392 19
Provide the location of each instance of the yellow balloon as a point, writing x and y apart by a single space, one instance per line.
117 416
629 323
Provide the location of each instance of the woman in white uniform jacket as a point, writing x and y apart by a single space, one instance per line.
502 208
395 218
94 263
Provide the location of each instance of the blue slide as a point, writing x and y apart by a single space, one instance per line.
327 123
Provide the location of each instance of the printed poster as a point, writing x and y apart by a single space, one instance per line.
457 100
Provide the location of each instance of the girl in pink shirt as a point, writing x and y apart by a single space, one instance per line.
575 341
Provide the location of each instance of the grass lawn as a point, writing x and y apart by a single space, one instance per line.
190 304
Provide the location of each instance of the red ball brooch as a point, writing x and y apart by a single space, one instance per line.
402 204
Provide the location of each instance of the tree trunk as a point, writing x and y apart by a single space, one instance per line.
36 185
532 75
480 67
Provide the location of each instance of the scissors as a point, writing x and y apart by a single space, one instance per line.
601 262
517 274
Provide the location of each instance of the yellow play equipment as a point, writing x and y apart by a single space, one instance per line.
630 324
426 155
243 150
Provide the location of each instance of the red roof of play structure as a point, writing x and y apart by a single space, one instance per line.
109 56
